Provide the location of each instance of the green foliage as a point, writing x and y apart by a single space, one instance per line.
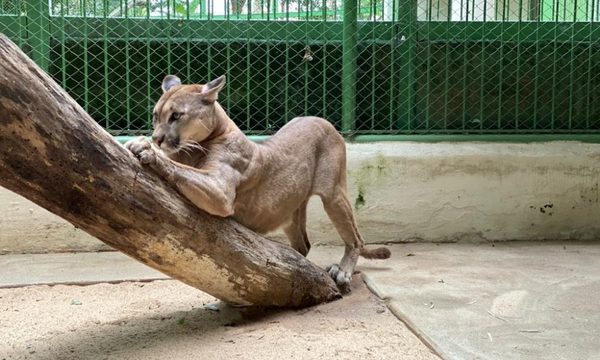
86 8
306 9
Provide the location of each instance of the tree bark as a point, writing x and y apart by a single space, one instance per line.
54 154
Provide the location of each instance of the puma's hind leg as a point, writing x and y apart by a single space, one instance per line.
339 210
296 231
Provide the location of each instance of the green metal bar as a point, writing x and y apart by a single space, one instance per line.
482 71
127 73
406 43
228 52
555 60
428 138
216 30
169 51
149 71
464 89
349 66
306 65
373 72
305 87
105 87
37 32
21 23
209 68
505 138
536 87
287 66
393 77
248 88
588 96
501 56
188 49
572 69
324 95
63 51
324 63
86 76
268 90
447 68
519 66
428 58
497 31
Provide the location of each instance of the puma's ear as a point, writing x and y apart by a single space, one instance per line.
211 90
169 81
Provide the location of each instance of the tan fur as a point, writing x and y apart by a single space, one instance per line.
263 186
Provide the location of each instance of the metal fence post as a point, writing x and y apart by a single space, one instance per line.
405 48
38 14
349 56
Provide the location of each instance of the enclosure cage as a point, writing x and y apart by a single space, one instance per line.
368 66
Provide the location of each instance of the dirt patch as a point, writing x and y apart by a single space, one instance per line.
170 320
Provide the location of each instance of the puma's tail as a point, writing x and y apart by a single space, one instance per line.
377 253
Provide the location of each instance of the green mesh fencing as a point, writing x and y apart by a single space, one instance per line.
370 67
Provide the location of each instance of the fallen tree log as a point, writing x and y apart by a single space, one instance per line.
54 154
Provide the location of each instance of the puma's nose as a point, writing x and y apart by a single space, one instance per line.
158 139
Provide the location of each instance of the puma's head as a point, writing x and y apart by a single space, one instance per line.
185 114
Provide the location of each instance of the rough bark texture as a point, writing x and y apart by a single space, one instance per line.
54 154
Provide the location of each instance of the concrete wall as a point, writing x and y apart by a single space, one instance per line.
406 192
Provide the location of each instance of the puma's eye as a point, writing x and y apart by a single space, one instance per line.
174 116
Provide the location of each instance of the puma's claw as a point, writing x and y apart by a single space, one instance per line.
332 270
142 149
147 157
341 278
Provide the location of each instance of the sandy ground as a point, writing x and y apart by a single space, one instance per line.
169 320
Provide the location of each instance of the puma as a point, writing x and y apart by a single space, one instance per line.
198 149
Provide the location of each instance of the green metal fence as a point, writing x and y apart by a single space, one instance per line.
369 66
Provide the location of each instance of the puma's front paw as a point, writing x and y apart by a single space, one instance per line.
142 149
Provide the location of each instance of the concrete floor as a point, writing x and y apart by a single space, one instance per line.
514 300
507 301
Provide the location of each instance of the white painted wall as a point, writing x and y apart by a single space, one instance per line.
413 192
473 192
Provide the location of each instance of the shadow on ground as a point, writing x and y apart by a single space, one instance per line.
169 320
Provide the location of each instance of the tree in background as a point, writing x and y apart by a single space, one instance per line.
314 9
